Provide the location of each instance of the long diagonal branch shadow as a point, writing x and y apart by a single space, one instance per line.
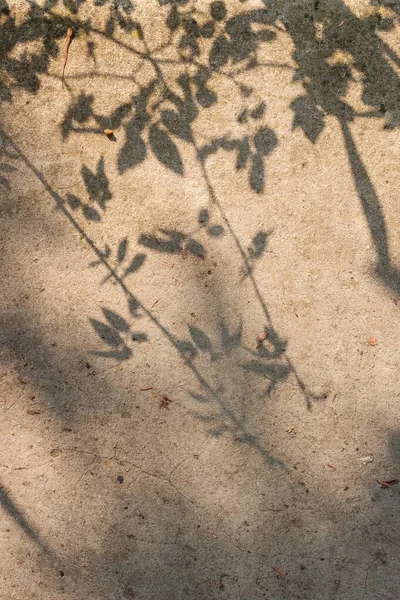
237 43
236 425
16 514
234 45
325 81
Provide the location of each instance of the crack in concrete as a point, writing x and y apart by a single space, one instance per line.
159 477
366 582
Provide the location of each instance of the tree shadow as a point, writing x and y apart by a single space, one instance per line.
347 45
159 120
160 115
16 514
331 44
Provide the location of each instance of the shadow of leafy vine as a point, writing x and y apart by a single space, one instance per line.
206 44
331 45
223 412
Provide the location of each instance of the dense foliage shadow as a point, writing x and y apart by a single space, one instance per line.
156 119
332 44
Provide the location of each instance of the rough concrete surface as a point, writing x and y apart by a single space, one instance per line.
199 311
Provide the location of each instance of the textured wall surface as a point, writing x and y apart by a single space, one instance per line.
199 338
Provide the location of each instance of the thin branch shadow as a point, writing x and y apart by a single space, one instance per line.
17 515
160 119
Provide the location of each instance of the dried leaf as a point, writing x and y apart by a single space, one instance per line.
165 402
261 339
388 484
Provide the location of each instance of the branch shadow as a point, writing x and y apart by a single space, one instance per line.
330 42
159 121
15 513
